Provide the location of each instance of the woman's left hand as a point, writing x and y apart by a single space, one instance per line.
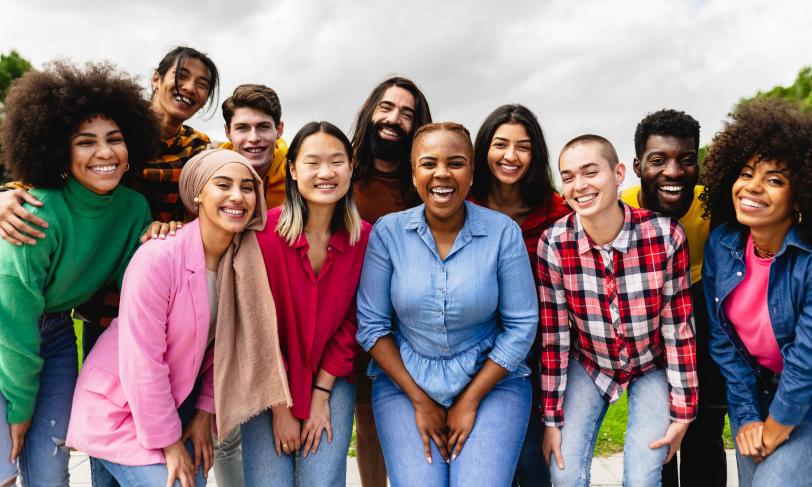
199 433
318 421
460 419
673 438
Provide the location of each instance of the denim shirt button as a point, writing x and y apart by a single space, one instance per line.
739 273
716 299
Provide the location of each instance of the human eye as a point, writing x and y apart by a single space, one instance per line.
408 115
657 160
246 188
746 173
499 145
591 173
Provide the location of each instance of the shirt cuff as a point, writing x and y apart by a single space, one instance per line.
373 339
506 363
787 413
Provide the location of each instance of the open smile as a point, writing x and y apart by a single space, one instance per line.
104 169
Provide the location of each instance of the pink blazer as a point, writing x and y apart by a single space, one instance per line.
146 363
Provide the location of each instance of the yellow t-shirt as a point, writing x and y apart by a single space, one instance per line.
275 180
696 228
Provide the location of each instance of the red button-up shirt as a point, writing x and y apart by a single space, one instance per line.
315 313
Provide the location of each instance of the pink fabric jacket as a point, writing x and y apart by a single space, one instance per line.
146 364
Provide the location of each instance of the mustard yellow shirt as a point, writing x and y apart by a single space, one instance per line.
696 228
275 180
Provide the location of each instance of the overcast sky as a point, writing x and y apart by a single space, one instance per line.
587 66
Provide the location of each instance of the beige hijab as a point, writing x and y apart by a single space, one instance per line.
249 373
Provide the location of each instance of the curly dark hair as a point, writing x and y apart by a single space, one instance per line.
45 108
665 122
769 129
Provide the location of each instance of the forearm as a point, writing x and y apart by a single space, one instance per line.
324 379
386 354
483 382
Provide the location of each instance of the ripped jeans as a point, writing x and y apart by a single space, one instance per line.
44 458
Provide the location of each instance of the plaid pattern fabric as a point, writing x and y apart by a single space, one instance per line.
158 181
621 310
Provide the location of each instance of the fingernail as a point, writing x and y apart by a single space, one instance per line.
154 235
454 456
163 236
172 233
428 459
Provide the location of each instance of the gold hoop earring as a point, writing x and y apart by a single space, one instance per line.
799 217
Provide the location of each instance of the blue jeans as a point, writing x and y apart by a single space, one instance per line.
532 470
788 466
584 409
326 467
7 469
228 460
490 453
44 457
143 475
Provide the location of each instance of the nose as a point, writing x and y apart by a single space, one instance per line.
673 169
325 171
441 171
104 151
580 183
510 155
754 185
254 135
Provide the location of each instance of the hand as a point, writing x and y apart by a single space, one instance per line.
199 432
551 445
460 419
160 230
18 431
13 218
430 418
774 435
673 438
318 421
287 431
750 440
179 465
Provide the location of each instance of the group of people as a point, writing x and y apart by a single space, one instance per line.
434 290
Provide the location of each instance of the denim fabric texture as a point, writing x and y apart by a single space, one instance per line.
452 314
489 456
788 466
584 410
789 298
327 467
532 470
44 458
7 469
146 475
228 460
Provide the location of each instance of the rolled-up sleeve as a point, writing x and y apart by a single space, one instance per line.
518 308
374 299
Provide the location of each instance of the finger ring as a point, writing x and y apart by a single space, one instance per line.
284 445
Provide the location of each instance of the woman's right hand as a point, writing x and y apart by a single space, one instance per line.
13 218
551 445
160 230
430 418
287 431
179 465
749 441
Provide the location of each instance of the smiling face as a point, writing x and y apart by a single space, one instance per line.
668 172
509 154
253 133
182 100
589 181
762 196
322 170
392 124
442 172
228 200
98 155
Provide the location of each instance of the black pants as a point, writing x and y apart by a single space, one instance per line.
702 453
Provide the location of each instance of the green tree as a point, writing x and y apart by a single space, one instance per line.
12 66
799 92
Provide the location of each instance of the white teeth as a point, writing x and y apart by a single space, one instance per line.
185 100
585 199
104 169
389 132
254 150
752 204
674 188
326 186
232 211
509 167
442 191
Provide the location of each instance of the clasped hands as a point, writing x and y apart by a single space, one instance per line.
448 429
759 439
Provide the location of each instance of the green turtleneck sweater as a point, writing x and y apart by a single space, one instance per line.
87 245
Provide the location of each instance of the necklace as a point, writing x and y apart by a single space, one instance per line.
761 253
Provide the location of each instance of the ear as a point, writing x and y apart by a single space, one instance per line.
280 128
636 167
228 131
292 169
620 173
156 80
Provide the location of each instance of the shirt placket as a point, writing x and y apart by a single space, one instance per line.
609 257
445 349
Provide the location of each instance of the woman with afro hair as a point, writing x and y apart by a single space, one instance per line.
73 133
758 284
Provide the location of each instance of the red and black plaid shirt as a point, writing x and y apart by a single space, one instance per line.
628 305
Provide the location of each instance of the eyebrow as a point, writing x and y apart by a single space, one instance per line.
184 70
339 153
92 135
244 180
518 141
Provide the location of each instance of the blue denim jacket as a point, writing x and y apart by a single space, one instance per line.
789 298
448 315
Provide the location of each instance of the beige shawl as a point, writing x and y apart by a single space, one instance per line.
249 372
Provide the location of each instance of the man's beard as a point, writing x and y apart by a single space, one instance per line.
389 150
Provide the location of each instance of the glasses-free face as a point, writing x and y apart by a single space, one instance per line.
442 172
393 117
589 182
98 155
322 170
762 196
668 172
253 134
182 100
509 155
228 200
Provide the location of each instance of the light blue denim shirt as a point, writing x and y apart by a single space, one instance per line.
448 315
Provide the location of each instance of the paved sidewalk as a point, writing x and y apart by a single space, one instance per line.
606 471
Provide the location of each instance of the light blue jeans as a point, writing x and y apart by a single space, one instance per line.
8 470
788 466
145 475
327 467
584 410
489 456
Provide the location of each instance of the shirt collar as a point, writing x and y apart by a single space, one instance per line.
473 220
338 241
735 238
622 241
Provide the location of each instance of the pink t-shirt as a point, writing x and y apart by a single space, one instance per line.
747 310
